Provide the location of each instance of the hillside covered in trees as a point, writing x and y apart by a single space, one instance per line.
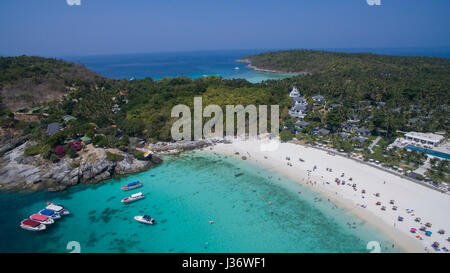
111 111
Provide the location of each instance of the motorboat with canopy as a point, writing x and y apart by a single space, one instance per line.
42 219
32 225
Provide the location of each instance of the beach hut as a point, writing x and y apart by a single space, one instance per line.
428 233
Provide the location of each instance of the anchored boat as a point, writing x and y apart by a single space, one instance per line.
133 197
146 219
42 219
50 213
58 209
132 185
32 225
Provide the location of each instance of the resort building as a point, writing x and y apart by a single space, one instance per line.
319 99
299 100
298 111
301 124
424 138
294 93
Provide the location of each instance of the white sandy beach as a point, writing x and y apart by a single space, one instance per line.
428 204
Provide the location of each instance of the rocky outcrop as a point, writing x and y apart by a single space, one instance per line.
182 145
31 173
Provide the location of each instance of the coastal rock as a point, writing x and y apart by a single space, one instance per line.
31 173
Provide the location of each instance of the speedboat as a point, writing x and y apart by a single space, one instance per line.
32 225
50 213
133 197
146 219
58 209
42 219
132 185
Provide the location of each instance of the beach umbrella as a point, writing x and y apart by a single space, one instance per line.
413 230
428 233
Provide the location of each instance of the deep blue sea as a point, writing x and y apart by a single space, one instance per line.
220 63
253 211
192 64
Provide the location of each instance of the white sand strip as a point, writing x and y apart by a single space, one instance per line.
428 204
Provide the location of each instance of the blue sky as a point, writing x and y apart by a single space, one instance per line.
53 28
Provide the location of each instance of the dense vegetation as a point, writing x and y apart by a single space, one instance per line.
113 113
411 87
26 82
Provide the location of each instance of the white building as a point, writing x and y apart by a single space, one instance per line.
424 138
294 93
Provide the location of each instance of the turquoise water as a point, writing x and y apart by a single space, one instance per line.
183 195
192 64
428 151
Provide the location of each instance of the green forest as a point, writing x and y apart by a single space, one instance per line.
143 106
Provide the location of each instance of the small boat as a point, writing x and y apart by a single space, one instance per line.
413 230
32 225
441 231
133 197
132 185
58 209
378 203
417 219
50 213
400 218
146 219
42 219
394 208
428 233
428 225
